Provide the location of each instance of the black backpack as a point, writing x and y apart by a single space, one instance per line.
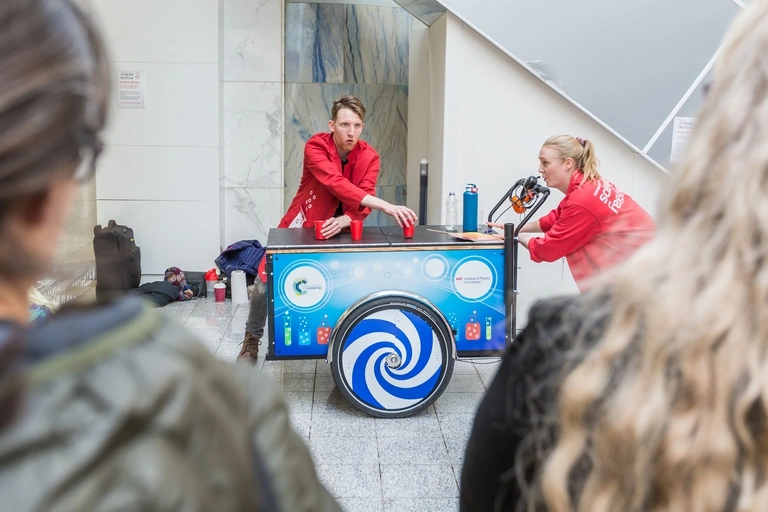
118 260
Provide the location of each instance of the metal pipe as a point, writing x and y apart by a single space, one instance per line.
511 248
423 168
510 283
543 194
501 202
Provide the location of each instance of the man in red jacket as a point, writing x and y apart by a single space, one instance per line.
338 184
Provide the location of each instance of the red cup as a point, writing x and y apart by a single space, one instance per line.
356 229
408 231
219 291
319 229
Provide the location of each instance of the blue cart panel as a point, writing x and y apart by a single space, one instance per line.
312 290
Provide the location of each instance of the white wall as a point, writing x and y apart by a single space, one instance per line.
159 172
201 166
85 4
252 118
418 95
488 118
435 119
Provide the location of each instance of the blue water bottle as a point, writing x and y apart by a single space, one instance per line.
470 208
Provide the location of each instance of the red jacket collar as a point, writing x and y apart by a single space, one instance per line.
334 153
576 178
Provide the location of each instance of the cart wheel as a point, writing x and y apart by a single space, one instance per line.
392 356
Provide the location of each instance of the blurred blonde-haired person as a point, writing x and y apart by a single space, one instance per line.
650 392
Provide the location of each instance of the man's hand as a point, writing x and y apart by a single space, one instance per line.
402 214
334 225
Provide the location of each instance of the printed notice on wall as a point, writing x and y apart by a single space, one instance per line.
681 133
130 89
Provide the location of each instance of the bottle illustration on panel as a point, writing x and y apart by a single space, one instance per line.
472 329
304 335
323 333
287 329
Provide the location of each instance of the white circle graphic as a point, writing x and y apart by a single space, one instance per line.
305 286
408 271
376 266
335 265
435 267
358 271
473 279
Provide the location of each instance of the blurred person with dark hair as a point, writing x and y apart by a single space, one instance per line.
110 407
650 392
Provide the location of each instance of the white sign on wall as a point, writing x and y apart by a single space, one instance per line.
681 134
130 89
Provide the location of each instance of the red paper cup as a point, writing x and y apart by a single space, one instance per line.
408 231
319 229
356 229
220 291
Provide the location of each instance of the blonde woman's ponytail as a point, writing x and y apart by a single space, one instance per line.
589 162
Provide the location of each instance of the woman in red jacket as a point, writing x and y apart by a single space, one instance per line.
596 225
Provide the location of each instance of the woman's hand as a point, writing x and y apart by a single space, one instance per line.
500 236
524 238
334 225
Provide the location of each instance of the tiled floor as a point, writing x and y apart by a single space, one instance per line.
368 464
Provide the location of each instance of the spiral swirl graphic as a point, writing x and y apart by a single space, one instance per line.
379 336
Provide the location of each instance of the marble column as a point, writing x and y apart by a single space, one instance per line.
251 119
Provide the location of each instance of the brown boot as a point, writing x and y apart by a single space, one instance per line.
250 351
